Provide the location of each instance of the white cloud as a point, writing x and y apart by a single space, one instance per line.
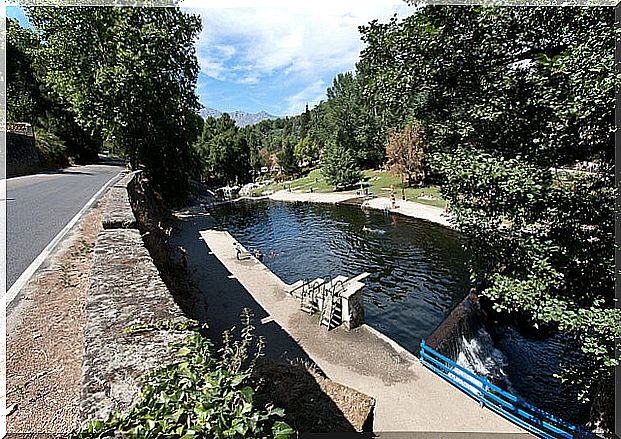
249 80
225 51
301 40
310 95
211 68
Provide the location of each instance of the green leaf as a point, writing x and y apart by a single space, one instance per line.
281 430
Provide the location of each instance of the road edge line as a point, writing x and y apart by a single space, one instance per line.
15 289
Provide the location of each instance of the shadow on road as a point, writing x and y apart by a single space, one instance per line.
64 171
113 161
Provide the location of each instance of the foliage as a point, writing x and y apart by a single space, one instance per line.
306 150
52 150
23 94
28 100
202 395
544 240
406 153
350 121
129 74
507 96
473 75
286 157
224 151
339 166
169 325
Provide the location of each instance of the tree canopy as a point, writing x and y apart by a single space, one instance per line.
507 98
128 74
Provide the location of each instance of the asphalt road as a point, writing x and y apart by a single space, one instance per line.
39 206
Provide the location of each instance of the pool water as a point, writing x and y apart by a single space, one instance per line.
418 275
417 269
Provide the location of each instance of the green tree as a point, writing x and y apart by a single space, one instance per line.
507 95
306 150
350 121
24 98
130 74
340 167
29 100
286 157
467 73
304 122
224 151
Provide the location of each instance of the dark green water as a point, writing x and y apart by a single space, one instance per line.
417 271
417 277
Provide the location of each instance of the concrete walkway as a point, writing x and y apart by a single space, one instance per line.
312 197
407 208
408 396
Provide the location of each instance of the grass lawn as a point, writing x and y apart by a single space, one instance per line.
380 182
377 182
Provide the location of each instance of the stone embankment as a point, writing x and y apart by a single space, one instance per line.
125 289
21 154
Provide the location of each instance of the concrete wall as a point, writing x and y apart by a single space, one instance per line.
125 289
464 321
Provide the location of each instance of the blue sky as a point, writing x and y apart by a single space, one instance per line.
275 55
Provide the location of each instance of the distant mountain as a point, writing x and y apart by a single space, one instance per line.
241 118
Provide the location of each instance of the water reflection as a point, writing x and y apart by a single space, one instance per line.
417 269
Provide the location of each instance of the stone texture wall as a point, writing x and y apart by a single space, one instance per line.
21 154
125 289
118 214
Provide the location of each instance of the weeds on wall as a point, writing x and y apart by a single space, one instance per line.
205 394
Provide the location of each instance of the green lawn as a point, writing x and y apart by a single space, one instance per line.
380 182
376 182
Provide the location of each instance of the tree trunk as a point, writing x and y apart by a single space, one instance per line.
602 416
133 160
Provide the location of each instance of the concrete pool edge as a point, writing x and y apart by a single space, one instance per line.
408 396
409 209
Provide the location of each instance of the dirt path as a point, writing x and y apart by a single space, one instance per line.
45 337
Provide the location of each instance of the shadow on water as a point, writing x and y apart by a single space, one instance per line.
226 298
417 270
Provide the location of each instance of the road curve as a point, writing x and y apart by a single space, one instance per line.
39 206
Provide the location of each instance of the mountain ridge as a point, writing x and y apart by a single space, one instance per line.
241 118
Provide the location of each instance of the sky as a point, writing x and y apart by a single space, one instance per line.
274 55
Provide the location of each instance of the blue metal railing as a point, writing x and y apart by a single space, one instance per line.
532 419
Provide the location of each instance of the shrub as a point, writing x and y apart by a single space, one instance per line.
202 396
52 151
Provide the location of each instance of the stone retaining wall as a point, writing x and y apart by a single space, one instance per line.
21 154
118 214
125 289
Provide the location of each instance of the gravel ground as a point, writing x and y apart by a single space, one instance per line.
45 337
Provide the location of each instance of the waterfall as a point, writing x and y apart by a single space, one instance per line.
462 337
480 356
